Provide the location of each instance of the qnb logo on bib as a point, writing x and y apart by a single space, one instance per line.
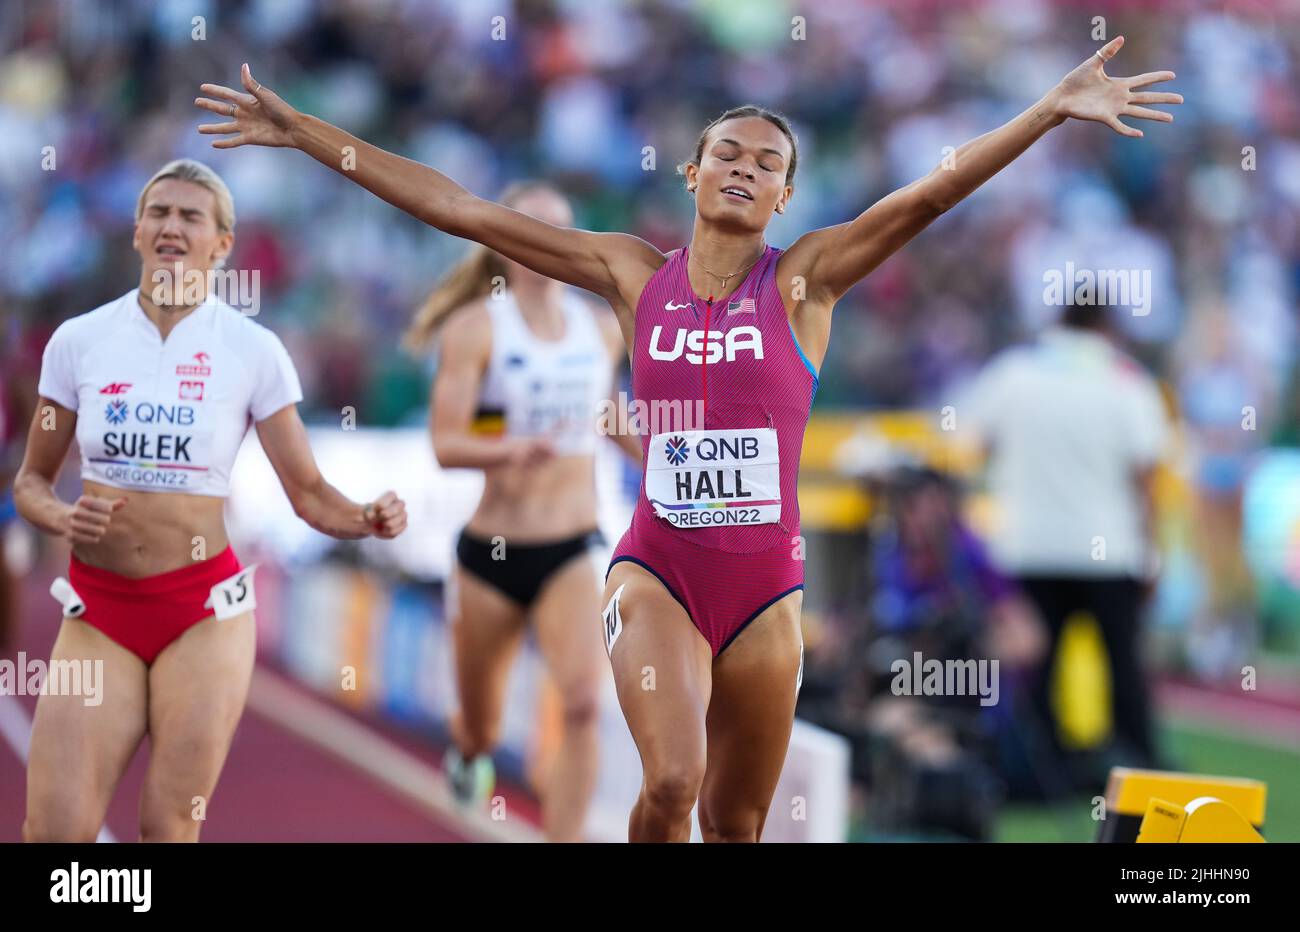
160 446
724 448
149 413
721 346
708 478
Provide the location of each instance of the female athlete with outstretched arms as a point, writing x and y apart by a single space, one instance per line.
703 596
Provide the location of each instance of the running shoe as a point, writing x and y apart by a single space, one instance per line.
471 781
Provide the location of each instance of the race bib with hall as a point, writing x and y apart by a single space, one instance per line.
715 478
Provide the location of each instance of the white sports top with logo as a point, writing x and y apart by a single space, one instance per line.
168 415
550 388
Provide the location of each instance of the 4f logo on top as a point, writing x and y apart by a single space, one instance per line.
720 345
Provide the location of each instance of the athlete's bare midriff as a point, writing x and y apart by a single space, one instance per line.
155 532
537 504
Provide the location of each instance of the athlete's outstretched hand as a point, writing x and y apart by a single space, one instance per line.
1088 93
255 118
89 518
387 515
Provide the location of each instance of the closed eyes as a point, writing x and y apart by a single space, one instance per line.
186 214
732 158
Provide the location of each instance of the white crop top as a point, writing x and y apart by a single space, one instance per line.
165 416
550 388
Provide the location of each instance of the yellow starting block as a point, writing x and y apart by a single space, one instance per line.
1201 820
1130 794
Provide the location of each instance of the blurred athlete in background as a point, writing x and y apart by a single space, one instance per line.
523 366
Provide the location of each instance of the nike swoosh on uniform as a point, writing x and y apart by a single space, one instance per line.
669 306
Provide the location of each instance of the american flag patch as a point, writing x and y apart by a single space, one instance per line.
745 306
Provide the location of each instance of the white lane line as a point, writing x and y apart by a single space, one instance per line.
383 761
16 729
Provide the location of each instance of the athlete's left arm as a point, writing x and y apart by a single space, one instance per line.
832 260
284 438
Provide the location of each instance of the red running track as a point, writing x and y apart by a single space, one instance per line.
277 785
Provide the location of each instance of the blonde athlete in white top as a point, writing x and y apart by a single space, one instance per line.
159 394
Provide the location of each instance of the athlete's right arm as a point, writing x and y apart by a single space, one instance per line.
48 439
612 265
466 344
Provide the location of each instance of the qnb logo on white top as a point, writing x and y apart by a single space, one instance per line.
720 344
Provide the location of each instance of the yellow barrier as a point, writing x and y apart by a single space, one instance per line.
1130 794
1203 820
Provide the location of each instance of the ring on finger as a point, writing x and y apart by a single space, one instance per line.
232 109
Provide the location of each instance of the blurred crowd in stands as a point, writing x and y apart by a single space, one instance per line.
592 94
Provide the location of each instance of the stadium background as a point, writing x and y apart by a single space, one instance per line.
574 93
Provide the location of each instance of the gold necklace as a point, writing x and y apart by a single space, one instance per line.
726 278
